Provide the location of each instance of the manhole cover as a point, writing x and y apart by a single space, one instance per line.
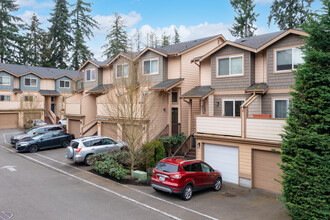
229 195
5 215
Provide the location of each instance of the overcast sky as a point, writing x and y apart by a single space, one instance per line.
193 18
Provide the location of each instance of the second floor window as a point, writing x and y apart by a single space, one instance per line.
122 70
150 67
90 75
30 82
281 108
232 107
174 96
28 98
4 80
64 84
288 59
4 98
230 66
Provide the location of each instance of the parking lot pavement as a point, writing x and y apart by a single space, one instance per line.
231 202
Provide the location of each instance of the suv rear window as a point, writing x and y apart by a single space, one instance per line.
74 144
167 168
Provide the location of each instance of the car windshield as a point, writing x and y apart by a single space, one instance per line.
167 167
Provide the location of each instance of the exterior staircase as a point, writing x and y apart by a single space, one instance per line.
48 121
187 150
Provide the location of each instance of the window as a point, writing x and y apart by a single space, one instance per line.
64 84
232 107
4 80
28 98
174 96
196 167
281 108
56 128
150 67
108 141
122 70
47 136
4 98
230 66
206 168
30 82
288 59
90 75
167 168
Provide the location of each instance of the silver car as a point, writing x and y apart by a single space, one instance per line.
81 149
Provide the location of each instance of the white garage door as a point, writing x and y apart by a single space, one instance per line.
224 159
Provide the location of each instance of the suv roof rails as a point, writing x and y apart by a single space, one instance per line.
189 161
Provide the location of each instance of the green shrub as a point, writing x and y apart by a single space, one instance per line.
152 152
172 143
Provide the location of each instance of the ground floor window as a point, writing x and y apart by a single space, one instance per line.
4 98
281 108
232 107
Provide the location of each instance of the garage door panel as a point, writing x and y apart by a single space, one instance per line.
8 120
266 170
224 159
74 127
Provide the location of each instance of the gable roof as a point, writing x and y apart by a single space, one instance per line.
199 92
100 88
167 84
255 43
42 72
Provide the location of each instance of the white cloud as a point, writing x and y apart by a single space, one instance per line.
27 15
35 4
105 22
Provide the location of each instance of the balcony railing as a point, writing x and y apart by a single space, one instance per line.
219 125
266 129
10 105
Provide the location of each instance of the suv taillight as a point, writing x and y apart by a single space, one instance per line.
78 150
64 130
176 176
74 137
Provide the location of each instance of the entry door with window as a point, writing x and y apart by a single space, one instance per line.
175 121
232 107
52 107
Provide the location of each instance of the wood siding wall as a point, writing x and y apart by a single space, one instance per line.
206 72
162 67
174 67
88 109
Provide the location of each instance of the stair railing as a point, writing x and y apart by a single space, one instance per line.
185 146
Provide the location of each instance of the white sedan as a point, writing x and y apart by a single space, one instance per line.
62 121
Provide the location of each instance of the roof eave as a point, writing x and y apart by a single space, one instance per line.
151 49
88 61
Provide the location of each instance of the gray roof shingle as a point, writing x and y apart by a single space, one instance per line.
259 40
45 72
49 92
100 88
198 92
258 87
167 84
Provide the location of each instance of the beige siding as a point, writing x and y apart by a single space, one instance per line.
190 73
10 105
196 111
259 68
219 125
47 84
255 107
174 68
159 119
211 105
106 76
16 83
88 108
266 129
206 72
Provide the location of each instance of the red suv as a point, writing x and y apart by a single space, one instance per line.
182 177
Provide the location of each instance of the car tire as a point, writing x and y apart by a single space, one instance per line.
33 148
187 192
87 160
217 185
66 144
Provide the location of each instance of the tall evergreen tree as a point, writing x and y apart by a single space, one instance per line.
11 42
138 36
45 49
289 14
244 19
165 39
82 25
117 38
34 36
176 38
306 142
59 34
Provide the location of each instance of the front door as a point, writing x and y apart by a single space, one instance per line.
52 107
175 120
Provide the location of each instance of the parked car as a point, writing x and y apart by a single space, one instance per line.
34 131
44 141
62 121
36 122
183 177
82 148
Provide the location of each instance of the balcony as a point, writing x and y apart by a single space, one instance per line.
72 109
256 128
10 105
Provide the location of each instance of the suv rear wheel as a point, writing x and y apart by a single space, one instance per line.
87 160
187 193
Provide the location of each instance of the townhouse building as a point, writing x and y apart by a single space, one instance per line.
244 98
28 92
168 71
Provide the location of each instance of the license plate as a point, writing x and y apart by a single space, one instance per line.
161 178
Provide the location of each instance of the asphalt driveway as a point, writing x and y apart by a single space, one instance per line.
231 202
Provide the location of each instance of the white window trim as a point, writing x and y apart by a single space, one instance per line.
123 64
33 98
223 106
292 59
8 80
230 57
6 100
91 80
30 82
64 84
281 99
150 74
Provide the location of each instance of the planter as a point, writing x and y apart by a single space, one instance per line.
261 116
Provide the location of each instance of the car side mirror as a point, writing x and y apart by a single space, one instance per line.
41 139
